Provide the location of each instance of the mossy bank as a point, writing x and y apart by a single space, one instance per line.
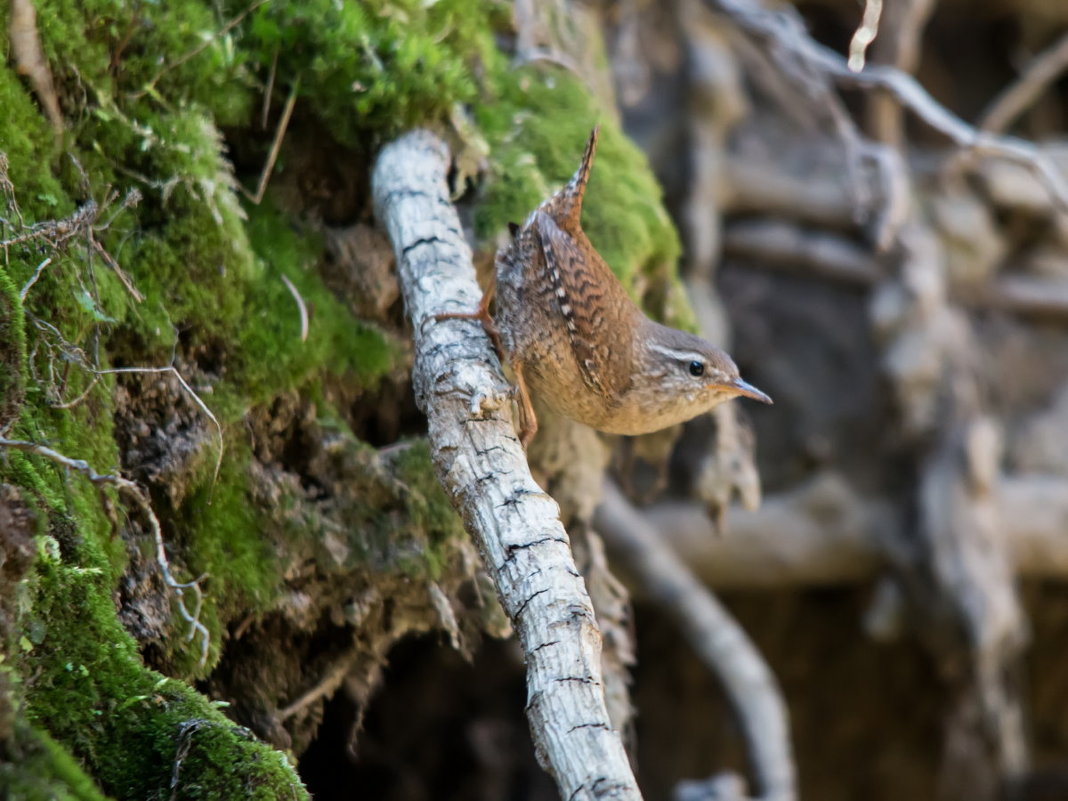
133 240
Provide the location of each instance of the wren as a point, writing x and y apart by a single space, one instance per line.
573 336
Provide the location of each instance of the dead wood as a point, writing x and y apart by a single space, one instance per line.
30 61
782 245
814 67
721 643
478 459
825 533
1014 99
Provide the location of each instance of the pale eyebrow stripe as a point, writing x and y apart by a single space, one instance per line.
681 355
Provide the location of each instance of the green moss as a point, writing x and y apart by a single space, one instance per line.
22 471
146 88
375 67
185 247
220 532
12 350
41 770
428 507
127 724
166 54
398 520
337 342
26 140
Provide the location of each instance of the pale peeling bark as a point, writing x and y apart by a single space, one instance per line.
478 459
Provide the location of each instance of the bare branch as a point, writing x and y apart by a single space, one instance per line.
479 461
898 45
1011 102
1029 295
714 635
783 245
782 33
325 685
755 186
865 34
823 533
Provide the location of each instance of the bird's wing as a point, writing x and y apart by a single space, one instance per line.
593 305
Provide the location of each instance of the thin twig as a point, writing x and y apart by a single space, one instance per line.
131 28
300 306
8 189
269 91
865 34
58 231
782 33
327 683
276 146
133 197
113 265
78 356
186 729
716 637
134 491
1011 102
33 279
85 394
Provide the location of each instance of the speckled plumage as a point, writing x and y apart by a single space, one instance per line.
572 334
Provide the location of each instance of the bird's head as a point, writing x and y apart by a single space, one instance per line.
684 375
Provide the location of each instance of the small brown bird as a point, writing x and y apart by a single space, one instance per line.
572 334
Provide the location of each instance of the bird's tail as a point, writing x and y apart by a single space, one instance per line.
568 201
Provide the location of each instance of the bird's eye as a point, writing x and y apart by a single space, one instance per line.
697 369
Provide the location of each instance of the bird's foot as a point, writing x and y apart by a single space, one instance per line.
482 314
528 420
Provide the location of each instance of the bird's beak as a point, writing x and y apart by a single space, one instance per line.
739 387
